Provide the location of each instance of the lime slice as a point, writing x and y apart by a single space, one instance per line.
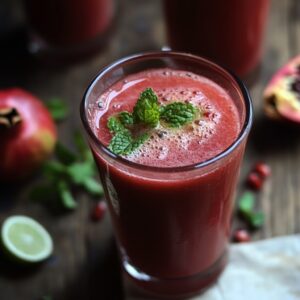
25 239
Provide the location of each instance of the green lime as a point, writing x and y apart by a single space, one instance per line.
25 239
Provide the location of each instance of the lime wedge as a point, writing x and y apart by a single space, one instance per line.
25 239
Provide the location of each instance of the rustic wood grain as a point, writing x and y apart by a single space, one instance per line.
85 264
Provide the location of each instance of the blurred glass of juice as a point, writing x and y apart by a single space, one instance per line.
227 31
68 28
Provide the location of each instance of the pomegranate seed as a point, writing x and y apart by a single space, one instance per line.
241 236
207 114
254 181
262 169
99 211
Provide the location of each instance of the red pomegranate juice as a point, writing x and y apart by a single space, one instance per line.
171 217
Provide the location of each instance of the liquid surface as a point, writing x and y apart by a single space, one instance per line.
217 128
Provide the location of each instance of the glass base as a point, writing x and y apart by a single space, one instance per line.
67 53
140 284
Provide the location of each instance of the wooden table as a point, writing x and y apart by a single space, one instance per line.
85 264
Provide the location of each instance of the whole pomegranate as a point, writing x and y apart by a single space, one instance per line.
27 134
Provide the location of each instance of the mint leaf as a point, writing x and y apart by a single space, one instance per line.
80 171
121 143
177 114
64 155
66 196
126 118
53 169
146 110
246 203
257 219
114 125
93 187
57 108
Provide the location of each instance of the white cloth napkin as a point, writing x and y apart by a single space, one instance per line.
262 270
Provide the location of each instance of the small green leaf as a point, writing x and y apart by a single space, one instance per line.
83 149
93 187
64 155
66 196
54 169
80 171
257 219
114 125
57 108
177 114
146 110
121 143
246 203
126 118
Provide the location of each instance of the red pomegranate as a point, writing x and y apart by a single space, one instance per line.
27 134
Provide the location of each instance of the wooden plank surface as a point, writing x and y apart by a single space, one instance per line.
85 264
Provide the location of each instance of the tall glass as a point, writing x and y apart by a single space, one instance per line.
68 28
228 31
172 224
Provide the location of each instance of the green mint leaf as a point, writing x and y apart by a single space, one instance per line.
257 219
93 187
139 141
64 155
54 169
66 196
121 143
114 125
126 118
57 108
246 203
177 114
80 171
146 110
83 149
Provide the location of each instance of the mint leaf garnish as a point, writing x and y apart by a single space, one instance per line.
146 115
146 110
114 125
57 108
121 143
177 114
126 118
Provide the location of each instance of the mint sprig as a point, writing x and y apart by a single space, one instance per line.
246 208
57 108
177 114
69 172
147 113
146 110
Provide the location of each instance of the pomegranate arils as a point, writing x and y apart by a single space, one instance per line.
262 169
254 181
99 211
241 236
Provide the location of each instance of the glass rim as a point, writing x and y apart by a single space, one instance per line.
160 54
